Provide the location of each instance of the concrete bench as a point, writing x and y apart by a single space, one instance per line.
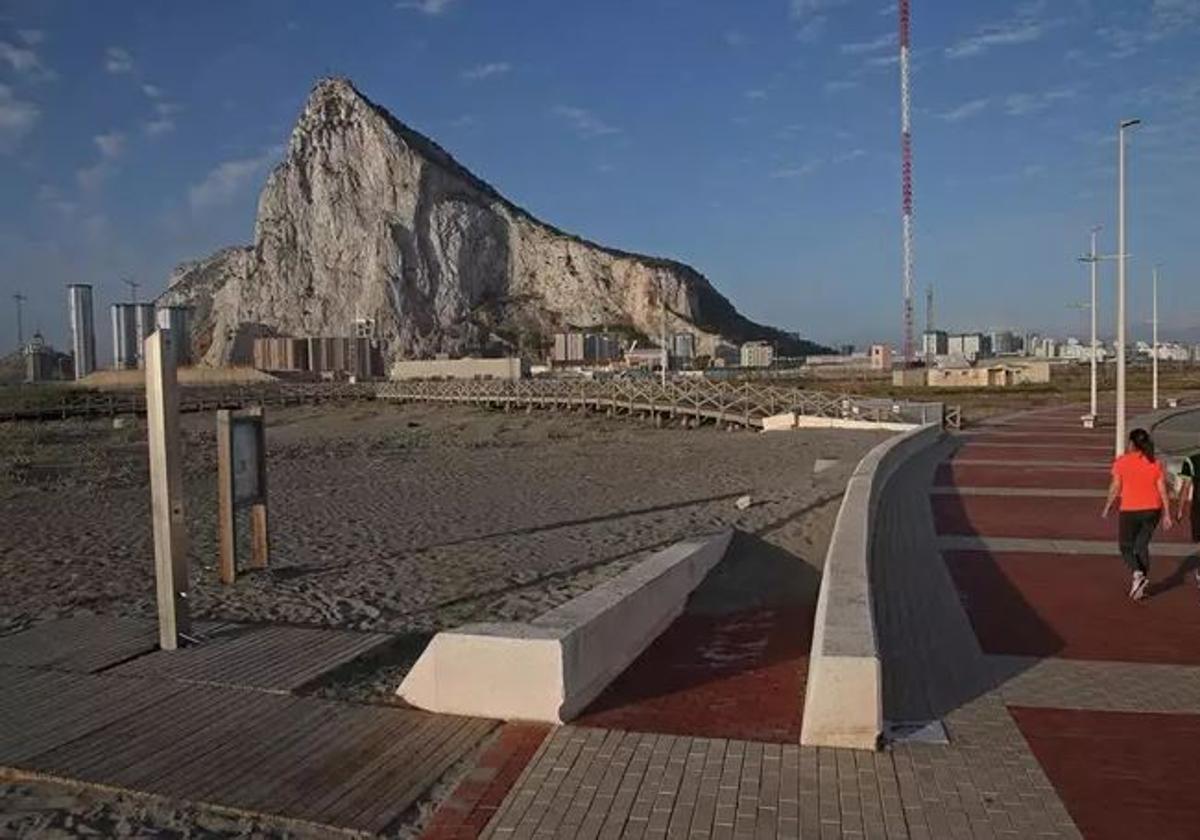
551 668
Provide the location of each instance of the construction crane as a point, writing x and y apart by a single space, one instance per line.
20 299
133 287
906 173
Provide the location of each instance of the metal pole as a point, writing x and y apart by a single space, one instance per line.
20 298
1154 359
1095 408
1121 259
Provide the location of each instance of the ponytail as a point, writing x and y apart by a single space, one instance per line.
1142 442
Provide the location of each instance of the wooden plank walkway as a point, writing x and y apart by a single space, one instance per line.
214 725
82 645
268 658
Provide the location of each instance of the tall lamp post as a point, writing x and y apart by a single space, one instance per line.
1154 356
1122 258
1093 258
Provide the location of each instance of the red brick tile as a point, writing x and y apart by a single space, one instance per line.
473 802
992 452
968 475
740 675
1121 775
1077 607
1032 517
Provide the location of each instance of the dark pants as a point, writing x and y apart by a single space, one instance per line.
1136 529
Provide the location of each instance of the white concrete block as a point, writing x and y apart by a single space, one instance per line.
551 668
779 422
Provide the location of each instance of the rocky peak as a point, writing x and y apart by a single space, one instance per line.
367 218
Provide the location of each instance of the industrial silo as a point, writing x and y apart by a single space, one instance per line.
126 349
177 319
143 326
83 328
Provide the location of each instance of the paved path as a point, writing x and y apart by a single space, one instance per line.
1105 691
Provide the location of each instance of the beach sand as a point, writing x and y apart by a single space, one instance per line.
400 518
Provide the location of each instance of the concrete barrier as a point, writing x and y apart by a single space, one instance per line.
551 668
843 705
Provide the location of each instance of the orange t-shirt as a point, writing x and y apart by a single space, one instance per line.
1139 481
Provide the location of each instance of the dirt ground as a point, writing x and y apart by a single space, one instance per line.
401 518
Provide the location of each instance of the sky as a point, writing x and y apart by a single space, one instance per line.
757 140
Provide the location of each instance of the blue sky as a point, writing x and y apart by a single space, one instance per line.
756 140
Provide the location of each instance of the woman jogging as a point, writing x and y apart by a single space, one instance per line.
1139 482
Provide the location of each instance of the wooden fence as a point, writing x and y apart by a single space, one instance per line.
64 403
743 404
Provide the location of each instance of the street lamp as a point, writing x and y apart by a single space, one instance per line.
1154 357
1093 259
1122 258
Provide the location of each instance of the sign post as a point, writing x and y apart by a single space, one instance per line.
166 490
241 482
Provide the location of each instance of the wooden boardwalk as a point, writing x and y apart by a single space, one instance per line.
740 404
214 724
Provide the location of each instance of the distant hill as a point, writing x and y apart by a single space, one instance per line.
365 218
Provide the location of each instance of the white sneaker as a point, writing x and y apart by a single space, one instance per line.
1137 590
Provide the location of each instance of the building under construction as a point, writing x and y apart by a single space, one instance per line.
323 357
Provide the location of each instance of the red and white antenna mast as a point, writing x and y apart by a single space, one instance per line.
906 167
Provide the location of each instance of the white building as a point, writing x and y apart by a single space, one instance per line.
757 354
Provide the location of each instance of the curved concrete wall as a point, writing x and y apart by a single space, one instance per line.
843 705
551 668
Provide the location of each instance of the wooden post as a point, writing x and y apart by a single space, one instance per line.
166 489
260 547
226 534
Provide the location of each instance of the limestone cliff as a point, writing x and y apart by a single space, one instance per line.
366 218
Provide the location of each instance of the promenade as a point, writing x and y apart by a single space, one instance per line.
1027 696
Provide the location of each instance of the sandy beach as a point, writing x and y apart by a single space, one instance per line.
401 518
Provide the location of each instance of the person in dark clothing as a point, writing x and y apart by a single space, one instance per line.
1139 481
1189 499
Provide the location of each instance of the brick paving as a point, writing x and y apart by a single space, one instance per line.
1015 642
1105 691
476 798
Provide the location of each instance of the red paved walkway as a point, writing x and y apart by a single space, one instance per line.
1034 517
969 475
740 675
1122 775
1076 607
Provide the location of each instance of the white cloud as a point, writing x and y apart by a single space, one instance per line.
153 91
17 119
1172 16
964 111
226 180
160 126
800 171
812 31
1025 26
111 145
485 71
882 60
50 196
1023 104
33 37
463 121
883 42
163 122
24 60
853 154
118 60
756 94
585 123
427 7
